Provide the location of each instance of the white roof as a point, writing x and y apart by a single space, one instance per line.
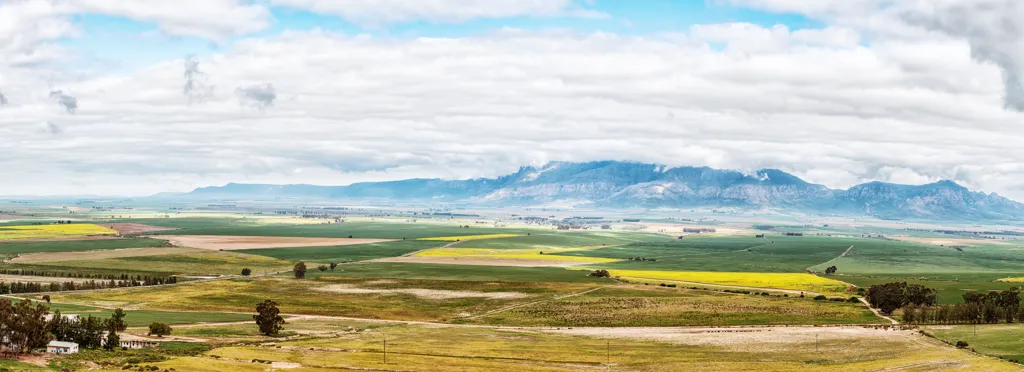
62 344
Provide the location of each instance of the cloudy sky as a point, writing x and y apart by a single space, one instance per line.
113 97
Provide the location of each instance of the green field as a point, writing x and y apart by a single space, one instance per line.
204 263
359 252
384 229
140 318
13 248
456 272
566 239
999 340
733 254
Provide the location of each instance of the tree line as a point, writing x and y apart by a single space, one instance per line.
992 307
920 306
24 327
66 274
35 287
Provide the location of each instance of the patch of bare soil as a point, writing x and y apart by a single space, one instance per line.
99 255
481 261
431 294
135 228
228 243
752 337
948 241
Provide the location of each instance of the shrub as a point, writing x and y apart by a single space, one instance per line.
159 329
961 345
602 273
246 271
854 299
820 298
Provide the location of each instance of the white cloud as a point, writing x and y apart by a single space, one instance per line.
360 108
210 19
383 12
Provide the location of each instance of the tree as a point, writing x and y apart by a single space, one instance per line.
333 265
886 297
46 298
268 318
831 270
322 268
602 273
116 322
300 270
246 271
113 341
159 329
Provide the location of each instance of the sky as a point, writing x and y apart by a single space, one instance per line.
111 97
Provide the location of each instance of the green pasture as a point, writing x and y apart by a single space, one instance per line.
359 252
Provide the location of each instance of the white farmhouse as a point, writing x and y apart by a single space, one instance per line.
61 347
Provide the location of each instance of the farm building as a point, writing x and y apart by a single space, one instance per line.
61 347
137 344
699 230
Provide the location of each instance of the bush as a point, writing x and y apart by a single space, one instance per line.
820 298
159 329
246 271
961 345
601 273
854 299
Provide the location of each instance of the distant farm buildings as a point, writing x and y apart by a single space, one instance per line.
699 230
794 234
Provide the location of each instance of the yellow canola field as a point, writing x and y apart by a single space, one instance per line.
1017 279
785 281
471 237
522 254
52 231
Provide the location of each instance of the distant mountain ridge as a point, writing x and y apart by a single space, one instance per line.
615 184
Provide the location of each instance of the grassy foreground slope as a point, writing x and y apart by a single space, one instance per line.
346 345
546 303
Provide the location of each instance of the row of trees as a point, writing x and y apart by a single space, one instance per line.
992 307
24 326
891 296
35 287
300 269
67 274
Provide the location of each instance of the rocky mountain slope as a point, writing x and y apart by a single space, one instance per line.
625 184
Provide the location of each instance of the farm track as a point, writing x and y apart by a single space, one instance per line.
410 254
876 312
808 269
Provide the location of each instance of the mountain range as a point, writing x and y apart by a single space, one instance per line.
615 184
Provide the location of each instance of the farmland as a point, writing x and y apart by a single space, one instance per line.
62 231
664 296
